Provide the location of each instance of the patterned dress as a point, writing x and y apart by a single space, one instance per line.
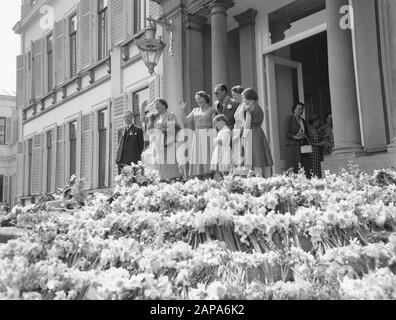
328 138
202 142
315 157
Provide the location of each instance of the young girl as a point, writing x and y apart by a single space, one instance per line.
221 158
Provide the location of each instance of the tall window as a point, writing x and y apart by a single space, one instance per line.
102 128
1 189
49 62
73 146
30 159
49 160
2 130
102 32
140 12
73 45
139 99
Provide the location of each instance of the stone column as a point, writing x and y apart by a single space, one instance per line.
344 102
391 10
194 25
247 43
368 71
218 10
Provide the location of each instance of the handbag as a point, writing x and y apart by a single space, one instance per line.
306 149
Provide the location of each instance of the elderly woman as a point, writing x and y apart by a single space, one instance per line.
204 134
296 135
257 151
163 128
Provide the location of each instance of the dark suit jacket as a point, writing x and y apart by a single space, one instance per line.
228 112
293 127
130 145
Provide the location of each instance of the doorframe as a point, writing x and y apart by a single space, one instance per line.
270 61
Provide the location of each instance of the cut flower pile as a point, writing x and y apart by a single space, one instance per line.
242 238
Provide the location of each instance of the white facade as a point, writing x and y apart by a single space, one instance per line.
114 83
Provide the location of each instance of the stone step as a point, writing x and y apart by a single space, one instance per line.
7 234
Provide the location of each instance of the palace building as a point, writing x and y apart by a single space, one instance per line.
77 72
80 67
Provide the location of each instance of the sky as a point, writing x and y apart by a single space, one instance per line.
10 43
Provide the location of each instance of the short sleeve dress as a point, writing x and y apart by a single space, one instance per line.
202 143
257 150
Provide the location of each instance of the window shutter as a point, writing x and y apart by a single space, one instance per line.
20 169
60 158
155 10
6 186
152 90
15 126
26 190
20 82
24 8
78 147
8 132
36 165
59 55
85 29
95 164
44 163
86 151
38 57
117 9
118 121
162 86
54 160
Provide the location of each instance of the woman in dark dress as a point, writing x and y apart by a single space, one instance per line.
296 128
315 158
257 151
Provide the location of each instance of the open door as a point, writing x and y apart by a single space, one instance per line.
284 85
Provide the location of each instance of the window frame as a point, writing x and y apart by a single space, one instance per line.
105 128
3 143
73 44
49 153
30 164
49 74
102 35
72 139
134 93
95 163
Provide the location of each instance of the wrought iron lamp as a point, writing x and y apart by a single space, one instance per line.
151 48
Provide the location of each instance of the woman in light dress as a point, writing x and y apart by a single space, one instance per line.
204 134
162 129
237 148
221 158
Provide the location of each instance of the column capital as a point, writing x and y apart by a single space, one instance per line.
220 6
195 22
247 17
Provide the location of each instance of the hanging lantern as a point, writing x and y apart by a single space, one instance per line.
149 47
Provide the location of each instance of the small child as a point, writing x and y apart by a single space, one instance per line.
221 158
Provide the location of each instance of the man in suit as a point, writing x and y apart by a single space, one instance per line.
130 143
225 104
